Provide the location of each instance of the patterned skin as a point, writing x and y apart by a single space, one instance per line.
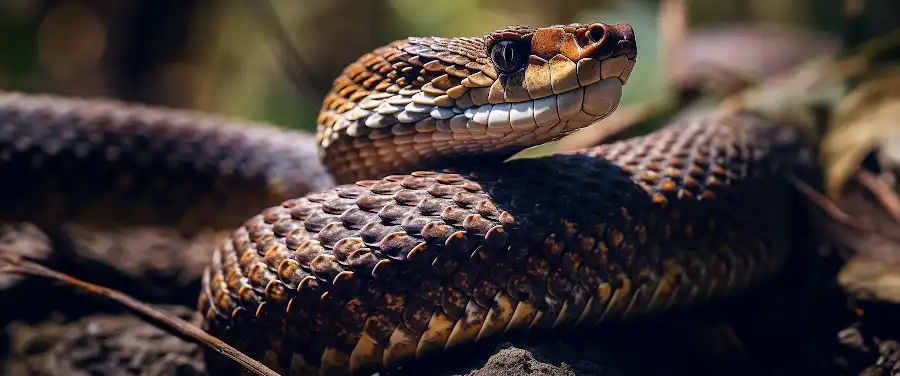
374 273
369 274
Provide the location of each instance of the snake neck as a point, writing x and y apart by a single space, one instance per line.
425 102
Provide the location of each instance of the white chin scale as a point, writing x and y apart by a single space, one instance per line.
526 123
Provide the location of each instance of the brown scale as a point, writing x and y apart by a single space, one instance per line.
398 268
105 161
363 276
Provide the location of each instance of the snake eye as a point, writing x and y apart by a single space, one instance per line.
509 56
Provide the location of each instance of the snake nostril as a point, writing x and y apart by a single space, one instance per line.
596 32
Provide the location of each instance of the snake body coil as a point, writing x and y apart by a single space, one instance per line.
104 161
371 273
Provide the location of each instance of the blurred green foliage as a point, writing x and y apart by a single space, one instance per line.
220 57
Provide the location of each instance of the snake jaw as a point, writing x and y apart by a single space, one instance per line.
449 98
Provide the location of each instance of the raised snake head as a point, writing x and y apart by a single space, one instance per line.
422 101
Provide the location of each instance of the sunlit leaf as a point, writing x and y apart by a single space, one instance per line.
864 121
871 279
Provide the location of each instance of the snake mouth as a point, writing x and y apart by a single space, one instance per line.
571 98
536 120
592 91
488 126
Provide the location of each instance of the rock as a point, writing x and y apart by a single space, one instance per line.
515 361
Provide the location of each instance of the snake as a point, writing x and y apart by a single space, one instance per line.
402 228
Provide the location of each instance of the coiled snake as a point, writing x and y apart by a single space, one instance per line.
370 273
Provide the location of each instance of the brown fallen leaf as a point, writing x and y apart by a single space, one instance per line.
864 121
882 190
872 251
871 279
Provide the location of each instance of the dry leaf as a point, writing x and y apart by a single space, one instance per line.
871 279
865 120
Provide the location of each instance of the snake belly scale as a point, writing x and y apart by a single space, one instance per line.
391 265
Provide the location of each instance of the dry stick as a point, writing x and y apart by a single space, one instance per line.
673 26
882 192
827 205
672 32
834 211
855 63
804 80
291 60
182 328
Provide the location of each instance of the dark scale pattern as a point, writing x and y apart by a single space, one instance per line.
368 275
429 64
67 159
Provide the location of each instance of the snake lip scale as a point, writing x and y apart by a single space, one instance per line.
406 257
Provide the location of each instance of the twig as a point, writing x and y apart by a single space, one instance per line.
291 61
882 192
872 48
177 326
672 34
802 79
833 210
827 205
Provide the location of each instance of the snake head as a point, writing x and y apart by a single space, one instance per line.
421 102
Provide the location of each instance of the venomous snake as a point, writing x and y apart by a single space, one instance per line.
368 274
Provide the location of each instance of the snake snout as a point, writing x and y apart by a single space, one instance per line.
623 35
609 48
615 45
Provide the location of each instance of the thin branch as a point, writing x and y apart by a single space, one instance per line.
673 28
177 326
834 211
872 48
801 78
882 192
827 205
290 60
